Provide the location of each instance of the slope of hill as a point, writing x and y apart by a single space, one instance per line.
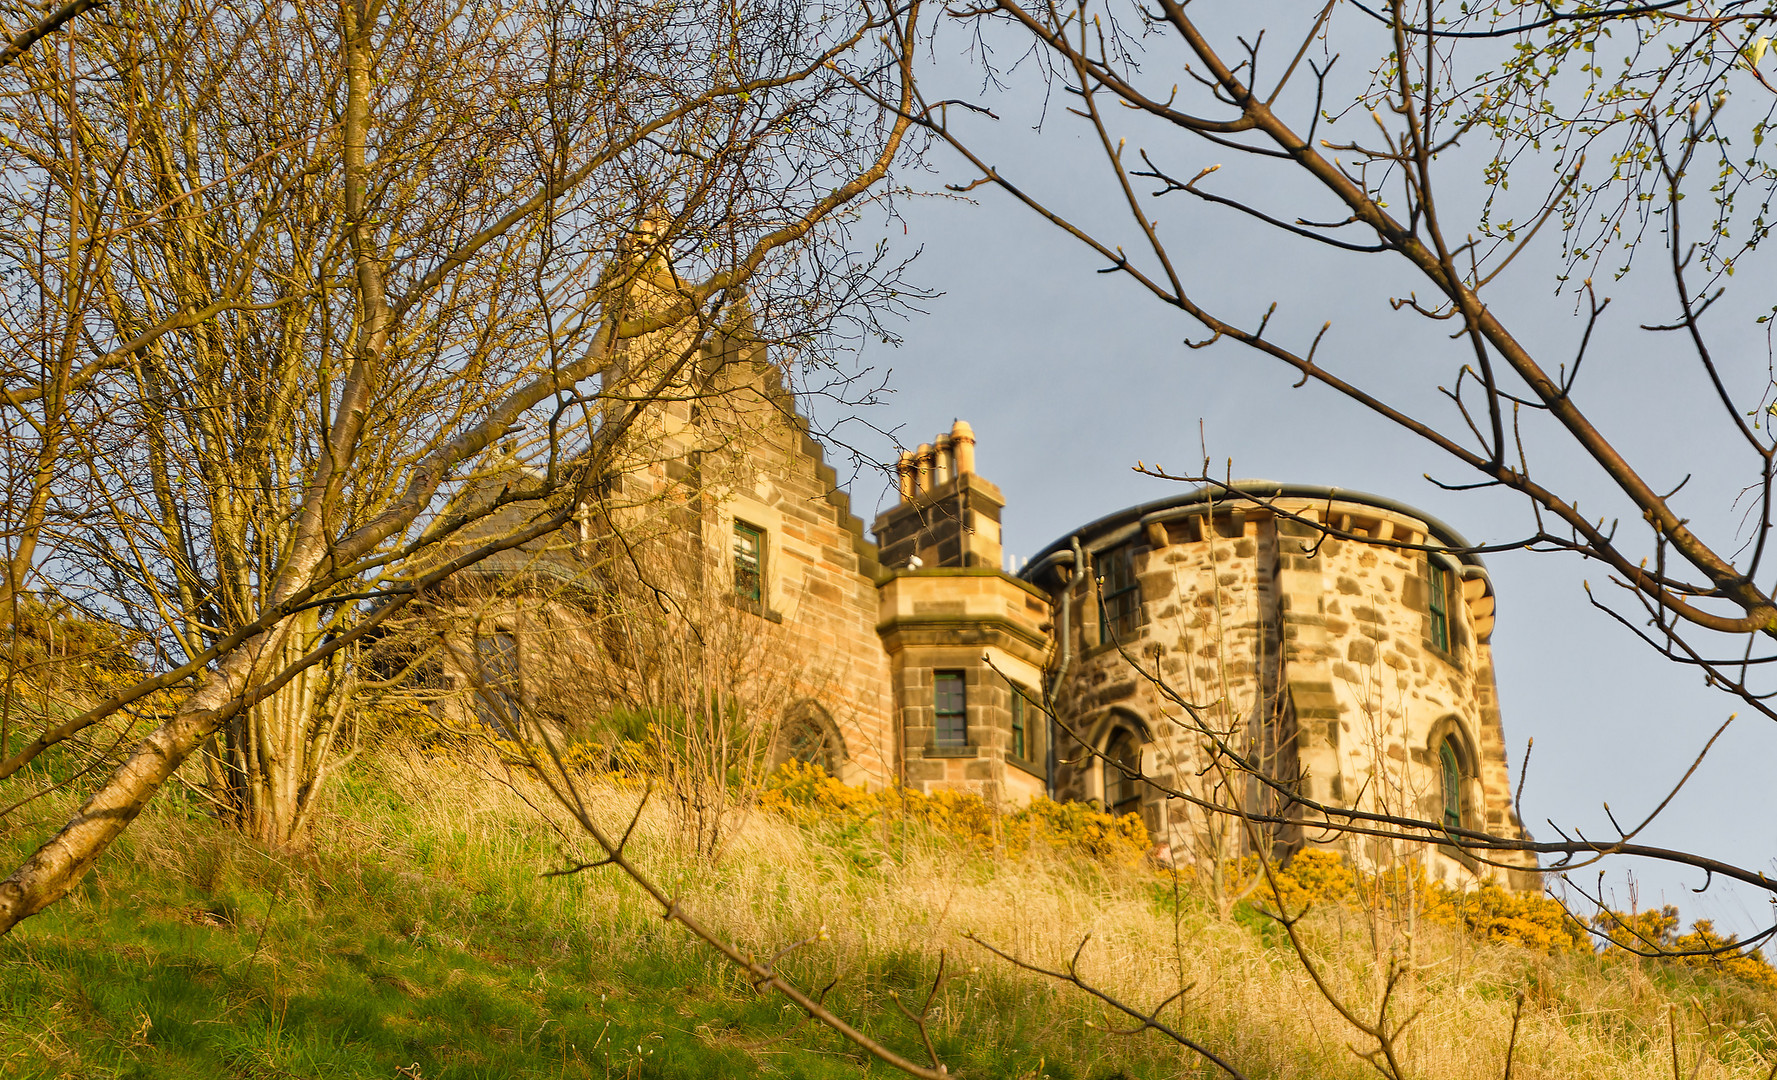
417 937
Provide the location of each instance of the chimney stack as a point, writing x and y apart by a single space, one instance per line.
922 471
947 516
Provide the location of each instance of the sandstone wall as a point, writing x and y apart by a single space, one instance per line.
1312 655
820 576
989 627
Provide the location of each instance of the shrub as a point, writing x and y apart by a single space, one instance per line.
805 794
1529 920
1081 828
60 647
1629 934
1532 920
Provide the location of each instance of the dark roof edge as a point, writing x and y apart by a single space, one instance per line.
1269 489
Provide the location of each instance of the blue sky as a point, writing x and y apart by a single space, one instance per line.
1071 377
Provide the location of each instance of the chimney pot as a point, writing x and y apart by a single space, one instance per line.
942 465
922 476
904 475
962 442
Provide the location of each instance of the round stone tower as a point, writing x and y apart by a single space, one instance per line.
1337 641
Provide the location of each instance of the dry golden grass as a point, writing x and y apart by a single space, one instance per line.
913 895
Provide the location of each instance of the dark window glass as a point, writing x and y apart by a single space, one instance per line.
1119 596
807 741
748 562
951 707
1438 582
1122 767
496 690
1020 737
1452 785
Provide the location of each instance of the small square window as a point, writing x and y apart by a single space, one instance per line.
950 707
749 562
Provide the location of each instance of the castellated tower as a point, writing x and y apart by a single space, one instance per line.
1353 667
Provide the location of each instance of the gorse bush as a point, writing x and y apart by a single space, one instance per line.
1529 920
805 794
1656 931
56 646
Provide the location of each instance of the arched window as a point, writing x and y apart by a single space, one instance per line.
809 736
1450 781
1122 768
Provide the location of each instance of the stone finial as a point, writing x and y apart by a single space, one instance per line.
922 462
904 470
962 445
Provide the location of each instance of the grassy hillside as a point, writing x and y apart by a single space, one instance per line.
417 938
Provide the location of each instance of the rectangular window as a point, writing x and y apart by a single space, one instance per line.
1020 734
496 683
1438 585
950 707
749 561
1119 596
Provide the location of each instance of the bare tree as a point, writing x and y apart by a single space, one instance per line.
630 648
714 684
1627 129
1434 84
349 250
1444 76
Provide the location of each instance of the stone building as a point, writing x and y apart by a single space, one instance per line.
1352 665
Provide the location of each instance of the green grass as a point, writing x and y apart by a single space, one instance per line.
402 944
172 979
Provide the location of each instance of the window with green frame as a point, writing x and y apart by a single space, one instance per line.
1020 726
1451 784
1437 582
749 562
1119 595
950 709
1122 769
